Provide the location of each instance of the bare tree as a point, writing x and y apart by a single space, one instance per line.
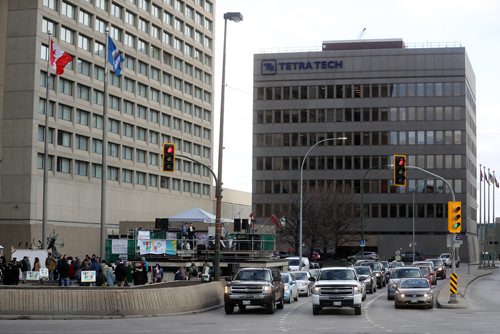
329 221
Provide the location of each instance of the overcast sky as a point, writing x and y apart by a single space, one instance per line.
291 24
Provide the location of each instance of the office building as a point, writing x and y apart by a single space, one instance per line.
386 98
165 94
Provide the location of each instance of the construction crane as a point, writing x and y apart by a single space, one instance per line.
362 33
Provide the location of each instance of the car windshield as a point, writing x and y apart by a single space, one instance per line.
337 275
414 283
363 270
252 275
410 273
425 270
293 262
376 266
301 276
285 278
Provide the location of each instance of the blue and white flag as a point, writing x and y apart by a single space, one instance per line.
114 57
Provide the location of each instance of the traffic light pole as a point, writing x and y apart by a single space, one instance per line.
453 260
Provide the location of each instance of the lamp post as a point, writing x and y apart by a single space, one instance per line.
301 189
236 17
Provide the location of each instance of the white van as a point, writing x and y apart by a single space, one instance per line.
293 263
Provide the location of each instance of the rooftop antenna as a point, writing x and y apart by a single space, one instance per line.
362 33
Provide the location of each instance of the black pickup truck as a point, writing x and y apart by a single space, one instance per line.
254 286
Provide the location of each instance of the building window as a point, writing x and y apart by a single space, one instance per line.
83 67
127 176
100 25
41 159
97 121
68 10
65 112
66 35
140 178
52 4
153 159
128 130
128 107
63 138
81 143
113 173
127 153
114 150
65 86
82 117
81 168
63 165
153 180
83 92
140 156
97 146
114 126
96 170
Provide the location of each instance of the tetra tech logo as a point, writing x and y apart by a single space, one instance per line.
268 67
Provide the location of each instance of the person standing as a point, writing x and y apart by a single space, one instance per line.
63 268
120 274
25 267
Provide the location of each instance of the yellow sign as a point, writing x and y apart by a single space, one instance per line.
453 284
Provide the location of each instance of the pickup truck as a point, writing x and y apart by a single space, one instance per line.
337 287
254 287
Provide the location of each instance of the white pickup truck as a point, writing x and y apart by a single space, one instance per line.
336 287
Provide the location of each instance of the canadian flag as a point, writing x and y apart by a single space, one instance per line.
58 58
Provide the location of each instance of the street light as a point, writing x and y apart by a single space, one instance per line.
236 17
301 186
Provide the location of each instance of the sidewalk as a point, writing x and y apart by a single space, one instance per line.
464 280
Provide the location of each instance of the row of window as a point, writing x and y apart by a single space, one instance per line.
366 138
356 162
69 10
401 114
94 145
96 97
94 71
347 91
372 186
122 175
382 210
86 118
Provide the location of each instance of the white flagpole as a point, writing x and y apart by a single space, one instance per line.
481 223
494 226
489 217
46 152
104 170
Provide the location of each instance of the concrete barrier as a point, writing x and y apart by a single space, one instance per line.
147 300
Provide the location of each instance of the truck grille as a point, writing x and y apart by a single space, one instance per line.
247 289
336 290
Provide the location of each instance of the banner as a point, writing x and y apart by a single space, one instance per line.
88 276
119 246
171 248
32 275
152 246
44 273
143 235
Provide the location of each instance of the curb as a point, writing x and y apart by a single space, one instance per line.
443 297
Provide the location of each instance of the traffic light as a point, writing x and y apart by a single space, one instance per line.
454 217
399 170
168 157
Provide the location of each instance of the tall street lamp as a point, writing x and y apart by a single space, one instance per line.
236 17
301 189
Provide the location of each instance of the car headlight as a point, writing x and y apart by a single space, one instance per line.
267 289
315 290
357 289
377 274
286 286
227 289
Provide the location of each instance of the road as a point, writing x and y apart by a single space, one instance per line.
379 316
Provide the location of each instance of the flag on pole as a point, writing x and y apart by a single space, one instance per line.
486 176
480 175
495 180
490 177
58 58
115 58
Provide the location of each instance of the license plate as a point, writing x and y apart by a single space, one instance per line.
413 300
246 302
337 303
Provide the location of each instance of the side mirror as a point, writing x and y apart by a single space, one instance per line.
228 278
312 279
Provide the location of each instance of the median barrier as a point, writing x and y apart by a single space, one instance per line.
83 302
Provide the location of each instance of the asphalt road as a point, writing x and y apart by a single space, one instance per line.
379 316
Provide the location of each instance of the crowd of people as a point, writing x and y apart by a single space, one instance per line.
67 270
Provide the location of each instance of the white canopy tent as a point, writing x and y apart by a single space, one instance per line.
196 215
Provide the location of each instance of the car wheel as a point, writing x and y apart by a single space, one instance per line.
242 308
396 305
228 308
357 310
316 310
271 307
363 298
374 288
390 298
281 303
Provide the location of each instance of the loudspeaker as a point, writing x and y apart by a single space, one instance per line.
244 224
161 224
237 225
